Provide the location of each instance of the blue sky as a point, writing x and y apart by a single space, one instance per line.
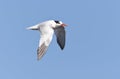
92 41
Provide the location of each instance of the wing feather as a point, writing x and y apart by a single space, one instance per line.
45 40
41 51
60 34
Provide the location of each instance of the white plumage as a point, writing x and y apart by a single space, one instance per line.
47 30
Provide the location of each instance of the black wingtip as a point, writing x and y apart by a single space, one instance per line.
61 46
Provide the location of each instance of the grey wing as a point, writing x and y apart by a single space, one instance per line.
60 34
41 51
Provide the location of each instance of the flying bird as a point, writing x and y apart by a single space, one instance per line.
47 29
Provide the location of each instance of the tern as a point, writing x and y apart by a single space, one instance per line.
47 30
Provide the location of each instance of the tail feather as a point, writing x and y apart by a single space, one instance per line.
33 27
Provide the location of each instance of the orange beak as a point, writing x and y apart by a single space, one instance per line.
63 25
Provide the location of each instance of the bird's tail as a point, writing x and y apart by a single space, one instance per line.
35 27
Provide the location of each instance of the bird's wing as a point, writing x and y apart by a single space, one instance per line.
60 34
46 37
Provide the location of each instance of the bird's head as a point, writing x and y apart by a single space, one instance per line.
59 23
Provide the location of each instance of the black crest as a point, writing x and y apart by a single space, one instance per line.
57 22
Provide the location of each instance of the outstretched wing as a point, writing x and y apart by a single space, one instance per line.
45 40
60 34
